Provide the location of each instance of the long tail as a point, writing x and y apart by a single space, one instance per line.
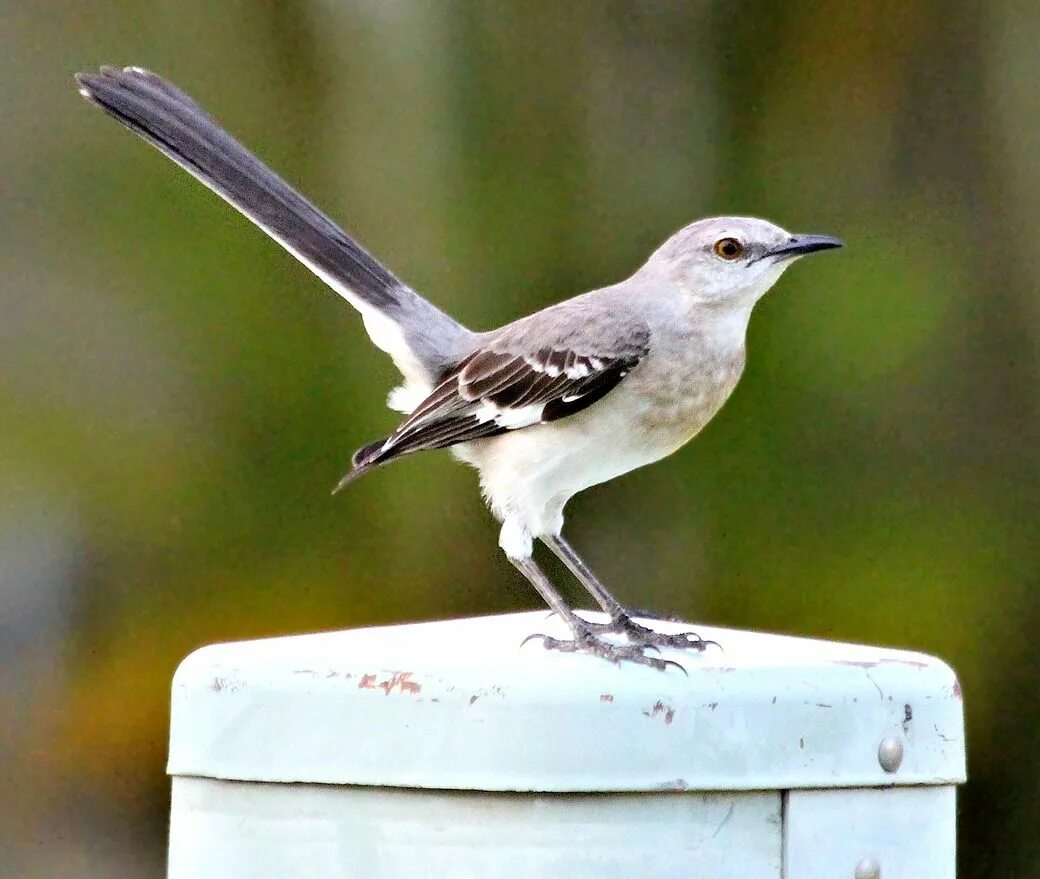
420 338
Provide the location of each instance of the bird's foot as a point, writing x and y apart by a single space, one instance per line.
586 641
642 636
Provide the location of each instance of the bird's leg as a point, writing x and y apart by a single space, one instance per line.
585 640
621 621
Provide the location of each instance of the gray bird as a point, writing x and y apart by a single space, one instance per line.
544 407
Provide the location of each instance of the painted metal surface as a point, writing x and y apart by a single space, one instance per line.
225 830
459 705
905 833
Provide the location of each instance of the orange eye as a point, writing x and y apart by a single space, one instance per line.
728 248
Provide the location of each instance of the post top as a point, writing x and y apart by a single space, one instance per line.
460 705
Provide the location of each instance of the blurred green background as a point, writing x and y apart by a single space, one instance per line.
178 395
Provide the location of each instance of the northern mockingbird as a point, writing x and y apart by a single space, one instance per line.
544 407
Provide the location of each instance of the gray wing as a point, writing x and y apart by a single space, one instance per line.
508 385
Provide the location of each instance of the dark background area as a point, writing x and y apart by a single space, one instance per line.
178 395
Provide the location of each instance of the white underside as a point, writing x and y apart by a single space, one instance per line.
529 475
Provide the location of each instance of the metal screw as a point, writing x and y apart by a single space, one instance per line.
890 753
867 868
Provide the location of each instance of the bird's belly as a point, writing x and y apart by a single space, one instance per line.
530 474
569 455
534 471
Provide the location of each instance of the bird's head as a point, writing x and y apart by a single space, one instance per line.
731 261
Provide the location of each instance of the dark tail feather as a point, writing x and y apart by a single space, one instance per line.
172 122
366 458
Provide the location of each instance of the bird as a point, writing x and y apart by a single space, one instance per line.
571 396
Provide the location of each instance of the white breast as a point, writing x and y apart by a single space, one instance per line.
529 475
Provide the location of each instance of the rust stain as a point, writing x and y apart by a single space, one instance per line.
606 697
398 680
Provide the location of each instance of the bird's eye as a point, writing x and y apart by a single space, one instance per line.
728 248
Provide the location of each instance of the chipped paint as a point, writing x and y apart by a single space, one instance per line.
401 680
487 691
857 663
882 660
398 680
658 734
660 708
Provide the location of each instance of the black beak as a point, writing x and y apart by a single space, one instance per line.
800 245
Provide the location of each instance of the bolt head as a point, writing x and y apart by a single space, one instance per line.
890 753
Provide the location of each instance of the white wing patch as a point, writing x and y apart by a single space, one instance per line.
407 397
492 392
509 418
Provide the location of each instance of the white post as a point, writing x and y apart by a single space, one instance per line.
446 750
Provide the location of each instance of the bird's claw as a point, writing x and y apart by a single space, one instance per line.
644 637
588 642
